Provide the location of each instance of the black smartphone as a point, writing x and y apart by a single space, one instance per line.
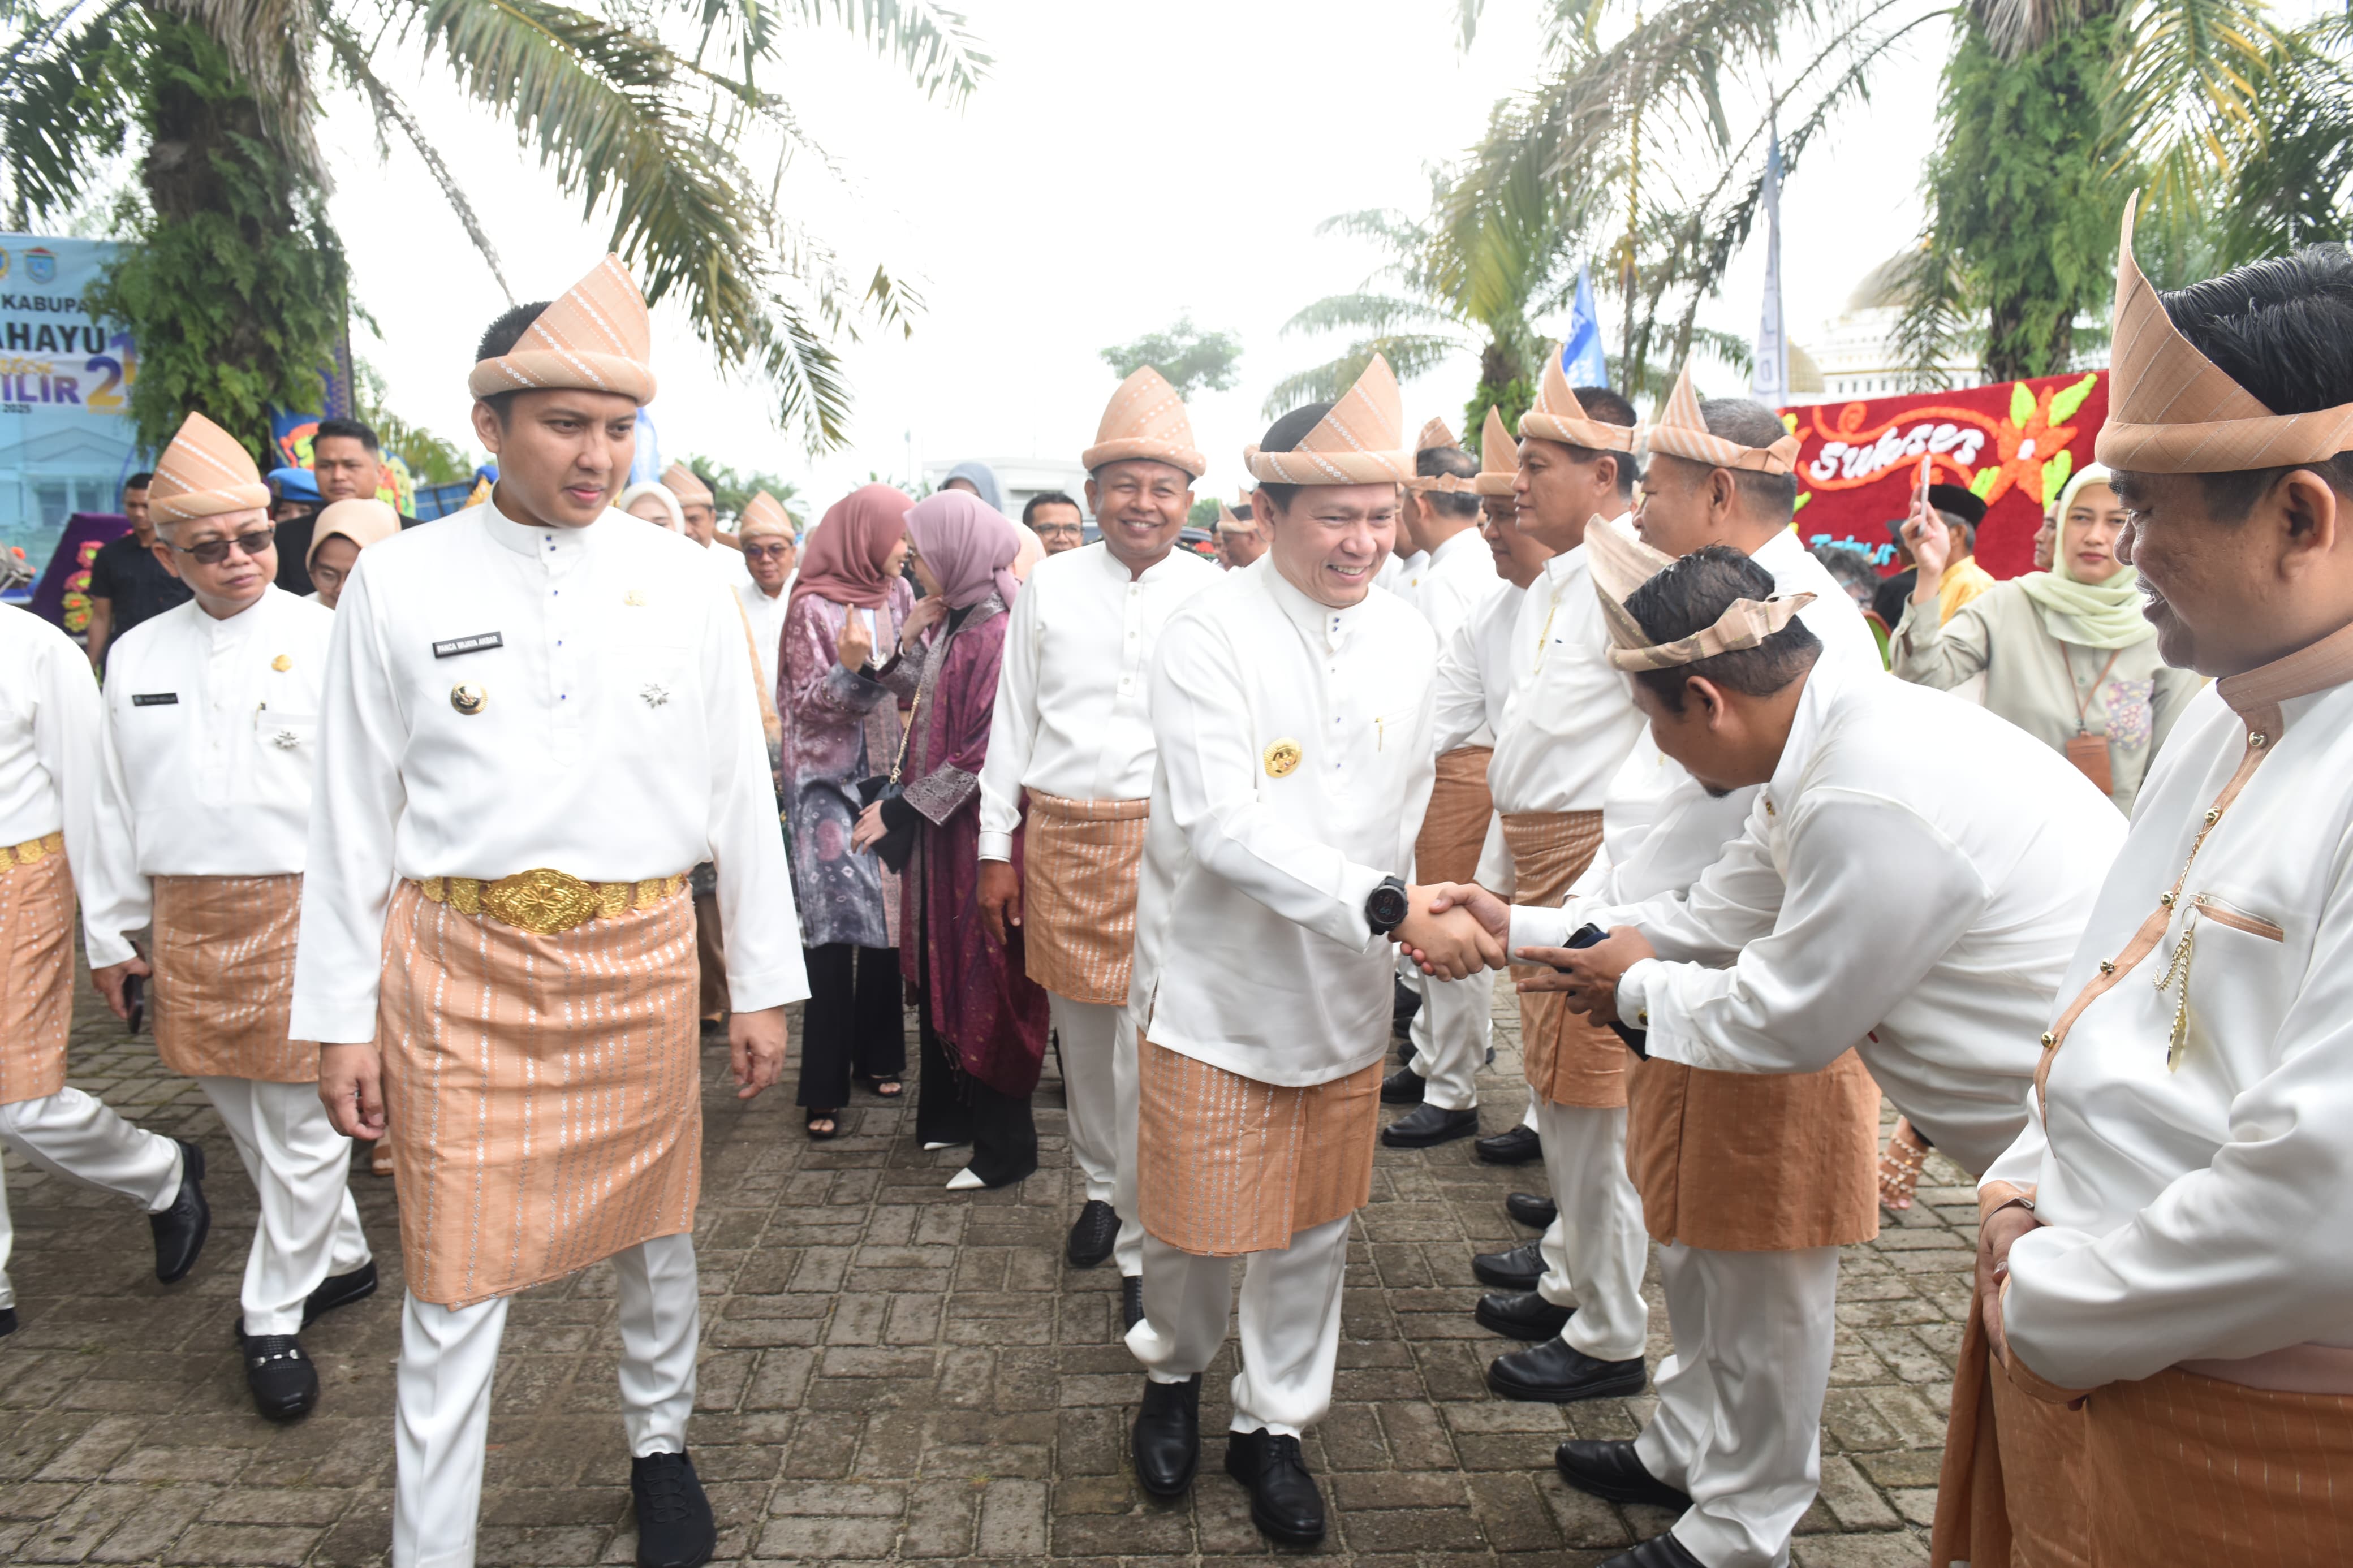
134 1002
1590 935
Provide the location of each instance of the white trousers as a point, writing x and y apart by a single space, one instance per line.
448 1356
1595 1247
1291 1324
1449 1037
301 1168
1740 1401
73 1134
1099 1086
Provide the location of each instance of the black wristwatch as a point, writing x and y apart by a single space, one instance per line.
1385 906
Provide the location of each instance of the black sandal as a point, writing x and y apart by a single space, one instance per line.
885 1087
832 1119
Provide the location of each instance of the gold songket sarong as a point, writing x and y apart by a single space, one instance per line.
36 942
543 1089
1569 1057
1227 1165
224 985
1081 860
1454 827
2012 1492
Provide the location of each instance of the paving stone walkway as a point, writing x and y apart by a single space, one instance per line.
890 1372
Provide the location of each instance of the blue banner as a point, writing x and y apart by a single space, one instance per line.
65 442
1582 358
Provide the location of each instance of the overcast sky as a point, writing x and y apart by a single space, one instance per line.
1123 163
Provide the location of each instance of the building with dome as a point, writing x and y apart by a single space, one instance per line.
1856 354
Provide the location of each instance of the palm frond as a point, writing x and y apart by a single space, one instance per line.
931 43
271 45
1410 355
1371 313
61 114
2185 98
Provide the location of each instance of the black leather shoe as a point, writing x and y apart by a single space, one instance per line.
1131 1303
1518 1269
339 1291
1516 1147
1404 1003
1614 1473
715 1031
1523 1315
674 1524
1659 1551
1532 1209
7 1322
1166 1440
180 1230
1557 1373
1426 1126
1284 1500
1402 1087
1093 1234
283 1380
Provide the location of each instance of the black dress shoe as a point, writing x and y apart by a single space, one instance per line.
1532 1209
1404 1003
1131 1301
1614 1473
1659 1551
339 1291
1557 1373
1284 1500
1402 1087
180 1230
1516 1147
7 1322
1426 1126
283 1382
1166 1441
674 1524
1093 1234
1523 1315
715 1031
1518 1269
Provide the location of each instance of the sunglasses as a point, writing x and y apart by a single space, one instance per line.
212 551
762 552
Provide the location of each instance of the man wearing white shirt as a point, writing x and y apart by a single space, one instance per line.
1071 745
539 715
2162 1249
204 805
49 721
771 551
1292 710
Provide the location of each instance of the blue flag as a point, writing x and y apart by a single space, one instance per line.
1580 350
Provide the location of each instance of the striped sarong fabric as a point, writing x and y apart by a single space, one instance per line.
1081 860
1569 1060
224 985
1454 827
37 921
2012 1493
1227 1165
543 1091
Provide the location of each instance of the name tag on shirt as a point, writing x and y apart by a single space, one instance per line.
474 644
154 699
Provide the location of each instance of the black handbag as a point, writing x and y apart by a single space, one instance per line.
897 846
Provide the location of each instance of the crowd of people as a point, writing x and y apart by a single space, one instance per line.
462 842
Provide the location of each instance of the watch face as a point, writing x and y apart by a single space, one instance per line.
1389 907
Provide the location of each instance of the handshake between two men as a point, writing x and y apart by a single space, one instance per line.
1452 930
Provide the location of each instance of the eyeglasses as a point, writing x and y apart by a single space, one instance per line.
762 552
212 551
1057 530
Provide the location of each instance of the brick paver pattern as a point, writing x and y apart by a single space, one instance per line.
890 1372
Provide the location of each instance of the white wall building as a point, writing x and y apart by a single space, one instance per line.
1022 478
1856 354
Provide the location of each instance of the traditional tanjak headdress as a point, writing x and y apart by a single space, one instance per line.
1145 418
1499 457
1622 563
1433 434
687 486
764 513
204 473
1682 432
1360 442
2171 410
595 339
1558 416
1436 437
1225 517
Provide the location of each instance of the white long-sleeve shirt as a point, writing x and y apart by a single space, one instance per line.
1073 713
1252 952
1906 884
1569 719
617 739
1455 579
210 740
49 721
2201 1213
1475 671
765 616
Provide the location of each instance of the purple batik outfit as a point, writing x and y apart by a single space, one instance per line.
838 728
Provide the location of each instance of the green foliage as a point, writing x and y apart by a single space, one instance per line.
231 279
1192 360
1204 513
432 459
1511 399
731 492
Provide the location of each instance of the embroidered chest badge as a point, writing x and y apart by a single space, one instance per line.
468 698
285 739
1281 757
655 693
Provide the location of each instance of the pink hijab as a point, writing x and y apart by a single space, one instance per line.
969 545
844 559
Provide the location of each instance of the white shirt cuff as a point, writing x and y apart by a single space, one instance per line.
995 845
105 950
1535 925
1634 994
333 1022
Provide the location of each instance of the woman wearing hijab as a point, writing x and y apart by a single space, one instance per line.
983 1019
654 503
977 480
344 530
842 726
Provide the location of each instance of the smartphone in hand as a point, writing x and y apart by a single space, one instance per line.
134 1002
1591 935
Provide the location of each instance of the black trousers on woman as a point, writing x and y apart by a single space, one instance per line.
955 1107
852 1022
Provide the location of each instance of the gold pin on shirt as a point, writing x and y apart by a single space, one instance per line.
634 598
281 664
1282 757
468 698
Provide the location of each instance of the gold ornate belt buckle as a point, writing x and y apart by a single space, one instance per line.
541 901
